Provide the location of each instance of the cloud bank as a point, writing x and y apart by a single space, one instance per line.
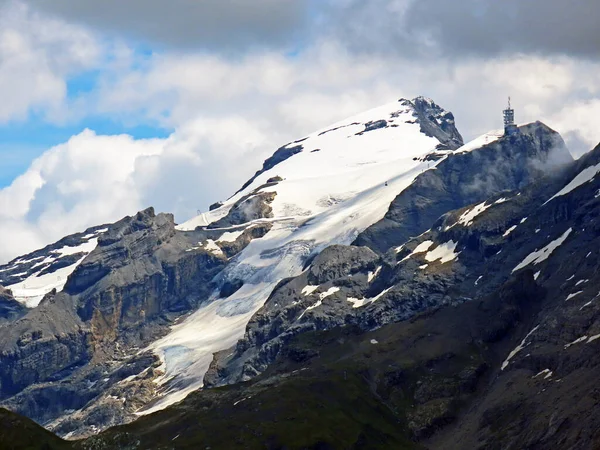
236 86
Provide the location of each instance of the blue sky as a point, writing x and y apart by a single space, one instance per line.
22 142
24 139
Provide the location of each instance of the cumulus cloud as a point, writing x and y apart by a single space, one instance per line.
94 179
37 55
82 182
230 113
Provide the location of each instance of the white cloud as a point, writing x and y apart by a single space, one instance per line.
83 182
229 114
37 55
92 179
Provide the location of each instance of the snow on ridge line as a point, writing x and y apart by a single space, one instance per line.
32 290
587 175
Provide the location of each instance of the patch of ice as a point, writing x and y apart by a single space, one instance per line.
374 341
523 220
188 349
537 275
581 282
510 230
478 280
539 256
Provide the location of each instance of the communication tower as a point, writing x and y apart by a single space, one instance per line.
509 120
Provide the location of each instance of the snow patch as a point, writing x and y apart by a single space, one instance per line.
230 236
570 296
576 341
32 290
518 348
421 248
539 256
593 338
372 275
308 289
469 216
358 303
585 176
444 252
510 230
546 372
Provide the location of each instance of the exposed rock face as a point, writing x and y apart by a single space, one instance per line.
462 179
10 309
248 208
70 352
280 155
436 122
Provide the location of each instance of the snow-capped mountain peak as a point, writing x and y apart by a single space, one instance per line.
322 190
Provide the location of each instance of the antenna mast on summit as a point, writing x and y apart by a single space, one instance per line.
509 120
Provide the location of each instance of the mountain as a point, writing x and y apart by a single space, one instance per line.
485 338
319 243
507 360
